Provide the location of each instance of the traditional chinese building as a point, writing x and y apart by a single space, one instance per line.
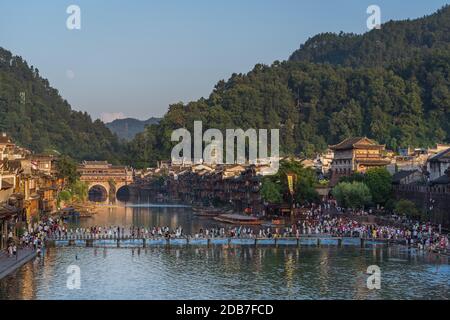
356 155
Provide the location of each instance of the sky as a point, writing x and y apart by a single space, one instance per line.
133 58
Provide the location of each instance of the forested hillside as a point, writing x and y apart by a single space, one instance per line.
37 117
395 43
390 84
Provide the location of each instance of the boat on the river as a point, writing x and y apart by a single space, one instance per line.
209 212
238 219
69 212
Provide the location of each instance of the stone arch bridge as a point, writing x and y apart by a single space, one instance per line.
101 174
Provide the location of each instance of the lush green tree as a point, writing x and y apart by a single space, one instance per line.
67 169
79 190
65 196
352 194
271 191
356 176
407 208
379 181
305 180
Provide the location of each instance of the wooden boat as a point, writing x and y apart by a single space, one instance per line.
238 219
209 212
70 213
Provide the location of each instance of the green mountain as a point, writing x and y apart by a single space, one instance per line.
127 128
395 43
37 117
391 85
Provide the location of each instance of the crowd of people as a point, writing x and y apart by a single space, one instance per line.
316 220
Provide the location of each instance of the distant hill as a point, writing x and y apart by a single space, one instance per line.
127 128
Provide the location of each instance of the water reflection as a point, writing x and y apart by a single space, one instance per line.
228 272
127 214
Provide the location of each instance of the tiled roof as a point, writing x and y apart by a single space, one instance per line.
402 174
7 210
351 143
443 156
441 180
94 162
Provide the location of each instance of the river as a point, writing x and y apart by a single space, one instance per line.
246 272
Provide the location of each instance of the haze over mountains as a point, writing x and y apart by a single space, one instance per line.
391 85
127 128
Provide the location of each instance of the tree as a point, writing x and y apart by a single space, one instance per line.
407 208
67 169
80 190
379 181
352 194
275 188
271 191
305 181
65 196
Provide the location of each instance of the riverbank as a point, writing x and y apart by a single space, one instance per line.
10 264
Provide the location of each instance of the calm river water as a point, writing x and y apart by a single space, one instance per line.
223 272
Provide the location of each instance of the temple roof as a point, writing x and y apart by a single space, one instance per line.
356 143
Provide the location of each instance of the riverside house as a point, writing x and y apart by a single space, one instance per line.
235 186
28 186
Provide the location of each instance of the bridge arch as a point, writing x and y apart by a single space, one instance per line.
98 192
123 193
108 191
109 178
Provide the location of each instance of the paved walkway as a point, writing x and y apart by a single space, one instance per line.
10 264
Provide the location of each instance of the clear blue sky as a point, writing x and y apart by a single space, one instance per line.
136 57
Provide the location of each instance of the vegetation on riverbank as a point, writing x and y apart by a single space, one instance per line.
275 188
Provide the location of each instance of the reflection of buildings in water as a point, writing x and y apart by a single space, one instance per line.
324 271
28 287
289 269
174 221
49 258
